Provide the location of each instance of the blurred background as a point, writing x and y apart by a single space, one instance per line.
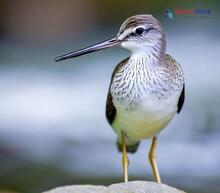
53 129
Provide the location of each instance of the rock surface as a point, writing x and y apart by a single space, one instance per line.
130 187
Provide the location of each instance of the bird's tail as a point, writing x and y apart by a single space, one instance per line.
131 148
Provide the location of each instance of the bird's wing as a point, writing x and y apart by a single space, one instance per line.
181 100
177 71
110 108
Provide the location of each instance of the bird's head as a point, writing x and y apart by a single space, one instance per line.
138 34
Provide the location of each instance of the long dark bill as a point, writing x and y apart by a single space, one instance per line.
102 45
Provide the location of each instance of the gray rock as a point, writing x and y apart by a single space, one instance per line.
79 189
130 187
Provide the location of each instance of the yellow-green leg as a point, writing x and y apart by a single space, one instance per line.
124 158
152 159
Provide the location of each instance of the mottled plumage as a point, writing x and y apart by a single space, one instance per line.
110 108
127 77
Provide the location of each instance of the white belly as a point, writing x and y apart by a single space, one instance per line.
147 119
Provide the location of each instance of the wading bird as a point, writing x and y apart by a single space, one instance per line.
146 89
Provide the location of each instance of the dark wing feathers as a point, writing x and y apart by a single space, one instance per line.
181 100
110 108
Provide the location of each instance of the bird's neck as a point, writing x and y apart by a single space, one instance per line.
151 54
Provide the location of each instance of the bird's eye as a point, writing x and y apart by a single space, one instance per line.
139 31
